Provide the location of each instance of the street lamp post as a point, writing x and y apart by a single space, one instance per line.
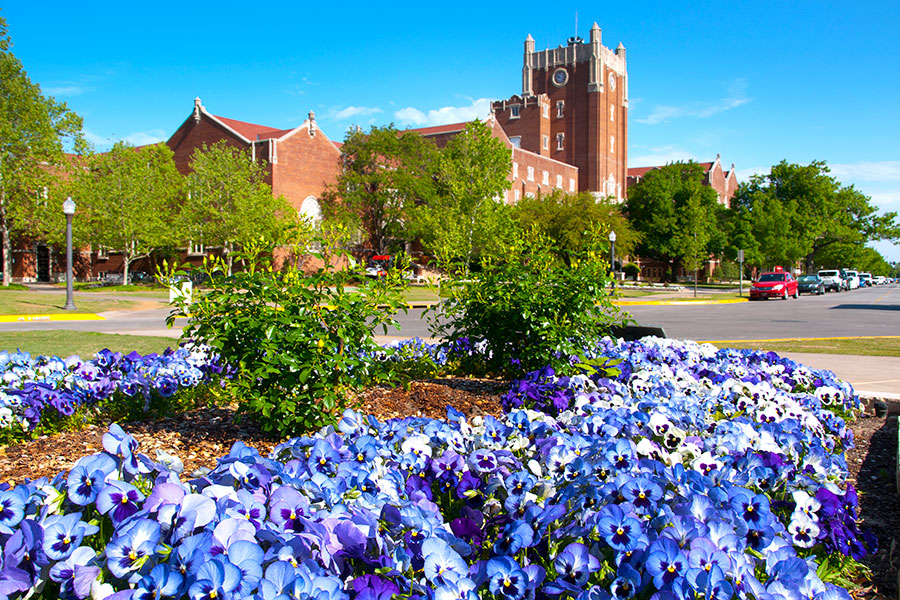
69 211
612 255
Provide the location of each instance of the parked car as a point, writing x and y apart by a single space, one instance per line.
832 280
810 284
865 280
852 279
378 265
774 285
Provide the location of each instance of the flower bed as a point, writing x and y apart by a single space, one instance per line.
45 389
693 471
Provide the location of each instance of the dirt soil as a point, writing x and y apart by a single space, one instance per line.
201 436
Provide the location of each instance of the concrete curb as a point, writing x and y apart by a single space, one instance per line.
677 302
54 317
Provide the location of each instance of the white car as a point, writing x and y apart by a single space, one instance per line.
832 280
853 276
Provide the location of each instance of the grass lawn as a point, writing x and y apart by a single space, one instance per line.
83 343
13 287
36 303
870 346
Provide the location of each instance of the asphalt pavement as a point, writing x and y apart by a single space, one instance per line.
871 376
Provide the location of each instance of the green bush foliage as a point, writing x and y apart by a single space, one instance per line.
298 342
530 310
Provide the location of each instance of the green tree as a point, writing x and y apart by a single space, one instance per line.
799 212
129 200
230 204
467 217
568 220
33 130
674 213
385 174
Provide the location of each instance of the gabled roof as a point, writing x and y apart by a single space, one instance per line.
641 171
438 129
251 131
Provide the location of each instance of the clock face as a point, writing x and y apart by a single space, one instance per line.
560 77
612 81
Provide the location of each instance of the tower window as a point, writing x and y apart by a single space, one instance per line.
545 139
514 111
560 109
560 141
571 184
545 111
612 144
612 112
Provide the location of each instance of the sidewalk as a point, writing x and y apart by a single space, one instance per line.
870 376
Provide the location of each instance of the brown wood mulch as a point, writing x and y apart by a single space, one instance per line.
201 436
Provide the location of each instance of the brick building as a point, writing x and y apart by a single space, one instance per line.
300 162
531 173
574 109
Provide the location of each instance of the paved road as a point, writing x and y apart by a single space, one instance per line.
866 312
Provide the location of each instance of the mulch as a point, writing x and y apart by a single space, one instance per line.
201 436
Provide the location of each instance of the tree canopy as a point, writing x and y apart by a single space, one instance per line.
801 213
569 220
130 201
229 202
386 173
675 214
467 216
33 129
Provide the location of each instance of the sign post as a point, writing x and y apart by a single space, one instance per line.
741 273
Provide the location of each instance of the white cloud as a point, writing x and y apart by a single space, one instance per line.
354 111
885 170
478 109
700 110
65 90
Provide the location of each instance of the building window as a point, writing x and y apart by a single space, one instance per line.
545 110
545 180
530 173
515 170
612 112
612 144
516 141
517 195
560 109
514 111
571 184
560 141
559 181
198 248
545 142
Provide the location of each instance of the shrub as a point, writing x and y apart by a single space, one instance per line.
632 271
527 311
297 342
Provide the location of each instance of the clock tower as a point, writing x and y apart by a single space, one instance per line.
574 109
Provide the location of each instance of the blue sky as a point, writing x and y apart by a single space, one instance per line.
756 82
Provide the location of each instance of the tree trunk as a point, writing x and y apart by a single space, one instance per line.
7 250
126 262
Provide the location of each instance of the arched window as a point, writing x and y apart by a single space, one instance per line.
311 210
